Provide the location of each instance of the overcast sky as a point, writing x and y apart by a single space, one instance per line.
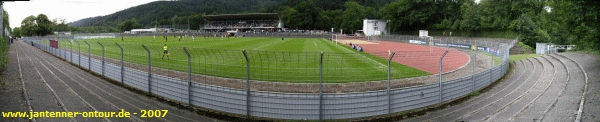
70 10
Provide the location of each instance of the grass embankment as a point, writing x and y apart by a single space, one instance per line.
271 59
512 58
527 47
3 56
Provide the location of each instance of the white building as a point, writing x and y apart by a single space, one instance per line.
151 30
372 27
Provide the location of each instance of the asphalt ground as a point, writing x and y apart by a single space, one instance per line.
547 88
54 85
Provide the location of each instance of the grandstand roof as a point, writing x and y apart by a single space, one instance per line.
249 16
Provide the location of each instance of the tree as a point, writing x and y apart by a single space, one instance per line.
44 25
307 14
354 13
36 26
470 17
288 16
17 32
59 25
29 26
127 25
411 15
527 28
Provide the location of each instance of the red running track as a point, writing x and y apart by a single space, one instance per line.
421 57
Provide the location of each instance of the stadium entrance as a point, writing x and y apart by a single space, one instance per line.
253 22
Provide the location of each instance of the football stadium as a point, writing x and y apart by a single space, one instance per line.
264 65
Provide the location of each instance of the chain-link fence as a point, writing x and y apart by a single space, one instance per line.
296 85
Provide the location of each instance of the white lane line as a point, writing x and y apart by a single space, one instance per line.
110 88
91 92
503 108
561 92
521 85
269 44
381 65
122 99
490 96
539 95
582 101
71 90
25 94
61 104
137 119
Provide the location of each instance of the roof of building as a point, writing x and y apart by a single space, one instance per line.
249 16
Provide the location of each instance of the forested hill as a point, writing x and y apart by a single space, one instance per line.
147 13
560 22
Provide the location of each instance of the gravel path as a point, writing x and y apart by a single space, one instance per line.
56 86
547 88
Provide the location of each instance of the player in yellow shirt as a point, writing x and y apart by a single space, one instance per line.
165 52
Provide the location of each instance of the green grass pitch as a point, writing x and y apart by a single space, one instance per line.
271 59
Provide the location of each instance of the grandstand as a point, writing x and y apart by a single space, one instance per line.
252 22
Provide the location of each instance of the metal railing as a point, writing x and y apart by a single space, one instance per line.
187 78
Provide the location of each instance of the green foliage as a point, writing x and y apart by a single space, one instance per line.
354 14
127 25
470 17
527 47
17 32
165 11
36 26
528 29
94 29
307 14
568 22
421 14
194 21
4 43
475 93
59 25
513 58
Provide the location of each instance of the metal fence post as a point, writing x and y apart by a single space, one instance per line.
389 82
78 53
149 70
247 84
189 76
122 67
102 57
321 87
441 72
64 54
492 67
89 56
52 51
71 51
474 70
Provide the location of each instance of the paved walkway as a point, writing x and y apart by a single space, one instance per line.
547 88
53 85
